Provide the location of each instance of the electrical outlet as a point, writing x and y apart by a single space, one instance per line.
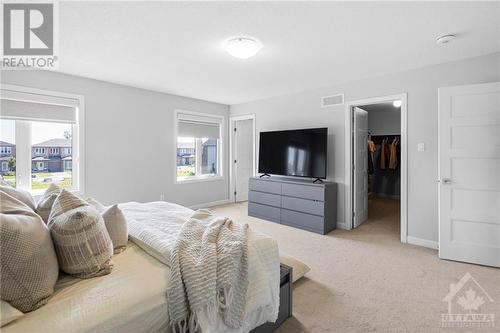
162 197
421 146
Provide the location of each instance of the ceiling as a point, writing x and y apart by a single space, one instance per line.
176 47
384 106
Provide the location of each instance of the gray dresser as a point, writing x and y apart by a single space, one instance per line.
295 202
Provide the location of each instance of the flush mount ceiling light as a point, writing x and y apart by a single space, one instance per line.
242 47
396 104
445 39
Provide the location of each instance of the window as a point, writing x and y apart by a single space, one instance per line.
51 168
199 140
39 126
8 156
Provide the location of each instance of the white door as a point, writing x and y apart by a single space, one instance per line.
469 173
360 167
243 157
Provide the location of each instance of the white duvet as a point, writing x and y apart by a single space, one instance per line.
133 297
154 227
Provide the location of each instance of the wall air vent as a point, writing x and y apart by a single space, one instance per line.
332 100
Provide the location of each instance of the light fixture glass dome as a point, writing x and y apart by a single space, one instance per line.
242 47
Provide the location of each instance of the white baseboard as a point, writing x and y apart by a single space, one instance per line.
342 225
423 242
209 204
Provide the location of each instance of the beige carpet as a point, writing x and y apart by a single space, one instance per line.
366 280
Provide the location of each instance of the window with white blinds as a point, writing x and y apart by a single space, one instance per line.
198 146
40 139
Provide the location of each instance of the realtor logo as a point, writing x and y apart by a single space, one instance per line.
29 32
465 301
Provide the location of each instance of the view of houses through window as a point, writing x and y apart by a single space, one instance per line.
51 153
196 157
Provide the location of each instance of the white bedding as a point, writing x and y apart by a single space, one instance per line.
154 226
133 297
130 299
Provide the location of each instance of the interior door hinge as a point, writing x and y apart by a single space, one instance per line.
353 214
234 192
235 129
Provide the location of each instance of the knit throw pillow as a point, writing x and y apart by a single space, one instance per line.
82 243
29 267
46 201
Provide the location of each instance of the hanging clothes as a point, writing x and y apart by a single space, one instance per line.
371 156
393 154
383 154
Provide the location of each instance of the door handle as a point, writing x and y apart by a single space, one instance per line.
445 181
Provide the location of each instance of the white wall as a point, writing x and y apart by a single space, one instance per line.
303 110
129 143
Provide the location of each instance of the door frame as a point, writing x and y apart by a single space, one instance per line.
403 97
232 152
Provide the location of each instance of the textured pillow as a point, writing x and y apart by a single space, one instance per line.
299 268
97 205
82 244
8 313
116 224
28 260
21 195
46 201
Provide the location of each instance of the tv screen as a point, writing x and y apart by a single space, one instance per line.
300 153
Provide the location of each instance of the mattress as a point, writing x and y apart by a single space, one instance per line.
130 299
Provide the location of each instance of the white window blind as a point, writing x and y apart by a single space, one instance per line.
198 126
21 105
20 110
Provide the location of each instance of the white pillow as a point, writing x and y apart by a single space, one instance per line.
116 224
21 195
45 203
8 313
97 205
299 268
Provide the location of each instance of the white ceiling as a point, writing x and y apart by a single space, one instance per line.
176 47
380 107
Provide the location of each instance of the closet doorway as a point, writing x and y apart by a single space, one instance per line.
376 160
242 156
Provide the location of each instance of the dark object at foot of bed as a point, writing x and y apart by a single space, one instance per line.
285 301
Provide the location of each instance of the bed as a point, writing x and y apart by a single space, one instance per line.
133 297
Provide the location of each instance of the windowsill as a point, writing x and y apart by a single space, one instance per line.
198 179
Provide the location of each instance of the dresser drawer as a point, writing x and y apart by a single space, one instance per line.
264 186
303 205
301 220
265 198
304 191
263 211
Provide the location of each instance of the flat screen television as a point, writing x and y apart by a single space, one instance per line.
299 153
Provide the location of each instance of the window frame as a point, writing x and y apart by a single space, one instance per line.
220 151
23 134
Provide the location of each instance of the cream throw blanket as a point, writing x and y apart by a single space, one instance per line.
155 227
209 272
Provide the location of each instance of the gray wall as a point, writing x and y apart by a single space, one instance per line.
384 121
129 141
303 110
